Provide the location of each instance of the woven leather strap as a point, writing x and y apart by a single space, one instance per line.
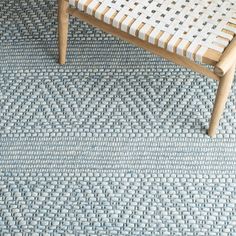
188 28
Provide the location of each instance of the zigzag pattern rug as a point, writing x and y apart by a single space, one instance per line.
112 143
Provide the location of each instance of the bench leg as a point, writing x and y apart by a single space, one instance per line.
220 101
63 21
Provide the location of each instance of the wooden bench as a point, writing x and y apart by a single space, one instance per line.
192 34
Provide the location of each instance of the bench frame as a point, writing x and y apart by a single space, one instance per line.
223 70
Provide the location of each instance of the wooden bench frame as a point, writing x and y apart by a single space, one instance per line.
223 71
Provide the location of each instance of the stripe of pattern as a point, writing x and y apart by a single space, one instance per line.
188 28
124 204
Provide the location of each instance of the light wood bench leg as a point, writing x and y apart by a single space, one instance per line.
220 101
63 21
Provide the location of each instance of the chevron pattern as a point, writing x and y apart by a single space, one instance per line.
55 103
130 103
117 204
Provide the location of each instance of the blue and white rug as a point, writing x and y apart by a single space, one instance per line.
112 143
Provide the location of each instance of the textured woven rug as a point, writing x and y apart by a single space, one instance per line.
112 143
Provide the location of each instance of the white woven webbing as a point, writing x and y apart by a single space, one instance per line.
186 27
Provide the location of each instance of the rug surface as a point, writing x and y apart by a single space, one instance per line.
112 143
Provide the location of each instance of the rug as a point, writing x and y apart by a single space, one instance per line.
112 143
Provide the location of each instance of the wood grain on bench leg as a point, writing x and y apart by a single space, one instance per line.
63 21
220 101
